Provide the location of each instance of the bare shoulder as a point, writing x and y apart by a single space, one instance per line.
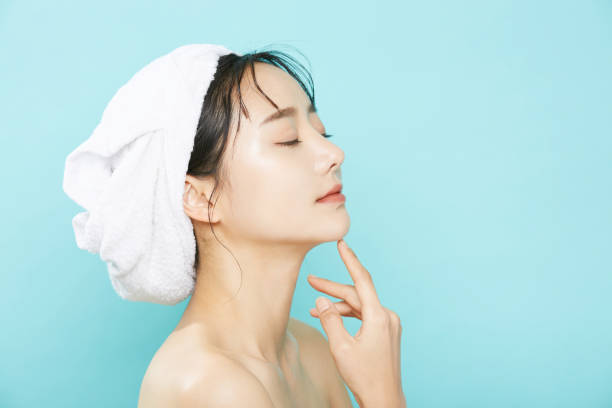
223 384
318 360
314 347
194 377
309 337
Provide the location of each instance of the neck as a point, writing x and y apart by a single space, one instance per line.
246 312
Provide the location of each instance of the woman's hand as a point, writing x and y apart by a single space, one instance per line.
369 363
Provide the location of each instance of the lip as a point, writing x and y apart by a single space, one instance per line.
332 198
336 189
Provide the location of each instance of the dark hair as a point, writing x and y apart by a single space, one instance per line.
219 106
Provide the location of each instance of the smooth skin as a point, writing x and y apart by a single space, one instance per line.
369 362
235 344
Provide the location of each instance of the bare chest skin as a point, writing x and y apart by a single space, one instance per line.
289 386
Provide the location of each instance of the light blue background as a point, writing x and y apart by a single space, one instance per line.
478 141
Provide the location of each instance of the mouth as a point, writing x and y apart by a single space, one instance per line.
334 195
332 198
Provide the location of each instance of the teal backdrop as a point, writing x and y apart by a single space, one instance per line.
478 176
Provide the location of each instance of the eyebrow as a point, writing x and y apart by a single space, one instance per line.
281 113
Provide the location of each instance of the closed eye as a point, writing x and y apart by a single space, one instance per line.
296 141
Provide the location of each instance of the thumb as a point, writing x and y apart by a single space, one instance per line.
332 323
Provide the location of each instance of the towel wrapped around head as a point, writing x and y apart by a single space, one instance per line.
129 175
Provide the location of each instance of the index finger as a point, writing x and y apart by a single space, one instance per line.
364 285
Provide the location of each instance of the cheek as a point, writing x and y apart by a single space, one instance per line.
272 199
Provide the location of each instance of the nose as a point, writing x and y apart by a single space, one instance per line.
331 157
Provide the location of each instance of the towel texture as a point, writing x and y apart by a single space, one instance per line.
129 175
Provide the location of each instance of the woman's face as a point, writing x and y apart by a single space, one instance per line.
272 190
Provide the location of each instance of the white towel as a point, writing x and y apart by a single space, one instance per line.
130 174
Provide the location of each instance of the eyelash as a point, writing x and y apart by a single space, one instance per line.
296 141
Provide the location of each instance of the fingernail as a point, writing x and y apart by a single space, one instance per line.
343 243
322 304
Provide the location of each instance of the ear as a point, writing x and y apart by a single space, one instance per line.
196 201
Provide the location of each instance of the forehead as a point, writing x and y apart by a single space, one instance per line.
277 84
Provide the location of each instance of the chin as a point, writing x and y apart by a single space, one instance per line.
337 227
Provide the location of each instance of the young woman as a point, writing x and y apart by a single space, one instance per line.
260 164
